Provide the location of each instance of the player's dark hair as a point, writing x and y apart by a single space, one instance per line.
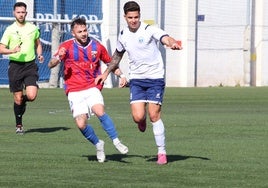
131 6
19 4
78 21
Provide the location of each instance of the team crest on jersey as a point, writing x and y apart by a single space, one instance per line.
93 54
141 39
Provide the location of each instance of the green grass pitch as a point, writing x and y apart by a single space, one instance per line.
216 137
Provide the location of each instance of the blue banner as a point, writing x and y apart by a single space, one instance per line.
3 24
91 10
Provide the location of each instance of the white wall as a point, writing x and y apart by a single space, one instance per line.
261 41
223 40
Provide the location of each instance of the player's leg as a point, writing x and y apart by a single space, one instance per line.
18 111
86 129
29 72
97 107
31 93
109 127
159 131
89 133
31 77
155 97
105 120
138 101
138 110
16 87
80 112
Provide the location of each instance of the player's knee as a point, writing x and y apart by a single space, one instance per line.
80 121
138 118
154 117
31 97
18 100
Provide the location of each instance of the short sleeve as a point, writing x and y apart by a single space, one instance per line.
5 38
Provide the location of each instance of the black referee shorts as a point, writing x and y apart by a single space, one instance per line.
22 74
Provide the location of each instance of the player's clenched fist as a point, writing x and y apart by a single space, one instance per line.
62 52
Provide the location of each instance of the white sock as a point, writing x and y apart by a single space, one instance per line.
116 141
159 136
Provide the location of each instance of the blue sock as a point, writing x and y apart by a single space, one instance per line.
108 126
90 135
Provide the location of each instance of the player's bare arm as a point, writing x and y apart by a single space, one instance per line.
53 62
39 51
171 43
4 50
56 60
113 65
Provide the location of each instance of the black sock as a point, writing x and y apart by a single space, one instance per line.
18 113
23 107
24 99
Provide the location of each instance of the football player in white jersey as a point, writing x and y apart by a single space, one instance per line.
146 71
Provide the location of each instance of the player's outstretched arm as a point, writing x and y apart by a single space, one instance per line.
171 43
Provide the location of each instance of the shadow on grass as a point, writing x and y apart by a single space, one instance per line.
47 130
113 157
149 158
173 158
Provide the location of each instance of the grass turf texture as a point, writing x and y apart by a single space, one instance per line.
216 137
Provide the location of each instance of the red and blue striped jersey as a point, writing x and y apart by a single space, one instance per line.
82 64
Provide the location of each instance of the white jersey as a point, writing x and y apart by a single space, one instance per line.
144 56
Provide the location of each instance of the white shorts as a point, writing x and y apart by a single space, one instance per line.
81 102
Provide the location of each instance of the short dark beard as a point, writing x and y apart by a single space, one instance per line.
83 44
23 22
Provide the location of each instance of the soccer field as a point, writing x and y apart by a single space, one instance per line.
216 137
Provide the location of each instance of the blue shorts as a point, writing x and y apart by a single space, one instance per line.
147 90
